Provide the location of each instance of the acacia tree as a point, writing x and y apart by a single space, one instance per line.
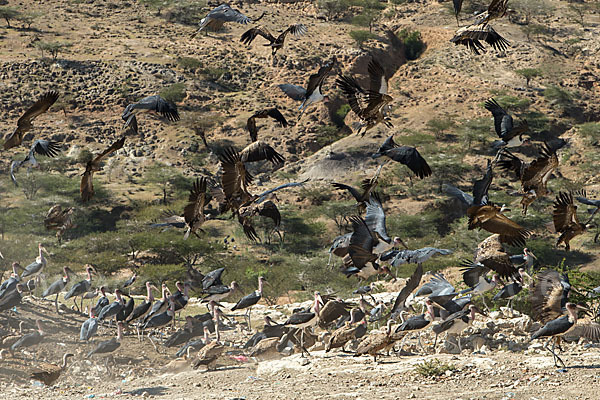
8 13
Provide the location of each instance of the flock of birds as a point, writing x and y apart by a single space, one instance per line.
366 251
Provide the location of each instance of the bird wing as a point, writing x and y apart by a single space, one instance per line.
45 148
261 197
481 187
410 157
235 178
584 200
378 83
259 151
512 163
411 284
194 210
547 295
250 35
465 198
510 232
472 35
355 193
503 122
472 272
565 212
296 30
540 169
375 217
316 80
227 14
355 94
361 243
39 107
167 109
265 113
87 185
269 209
491 253
297 93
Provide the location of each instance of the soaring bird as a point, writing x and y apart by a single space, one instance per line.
419 256
87 179
59 220
42 147
154 103
275 43
367 186
471 36
566 221
218 16
406 155
58 286
510 135
485 215
533 176
49 373
193 212
368 105
314 88
264 113
24 123
260 151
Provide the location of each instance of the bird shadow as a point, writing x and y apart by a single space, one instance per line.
593 366
152 391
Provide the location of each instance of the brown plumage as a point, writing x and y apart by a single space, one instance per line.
497 9
235 179
24 123
265 209
265 113
490 218
367 186
332 310
533 176
193 212
548 296
471 36
59 220
87 181
492 255
260 151
265 348
376 342
343 335
275 43
565 219
208 355
49 373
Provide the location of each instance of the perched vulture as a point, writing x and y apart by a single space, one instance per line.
276 43
406 155
154 103
565 219
266 113
510 136
41 147
368 105
193 212
533 176
24 123
472 35
314 88
215 19
87 183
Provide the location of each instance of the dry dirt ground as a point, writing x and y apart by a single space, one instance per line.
524 372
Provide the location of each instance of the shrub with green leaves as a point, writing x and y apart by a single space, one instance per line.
433 368
8 13
360 37
413 43
174 93
189 63
54 48
529 74
590 131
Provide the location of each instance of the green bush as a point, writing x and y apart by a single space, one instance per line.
189 63
433 368
8 13
590 131
174 93
413 43
54 48
529 74
360 37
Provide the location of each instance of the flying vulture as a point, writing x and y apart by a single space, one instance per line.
154 103
266 113
406 155
87 182
215 19
565 218
367 186
24 123
41 147
510 136
471 36
193 212
276 43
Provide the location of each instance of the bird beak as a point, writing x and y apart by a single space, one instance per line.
44 250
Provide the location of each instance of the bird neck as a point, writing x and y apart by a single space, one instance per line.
64 362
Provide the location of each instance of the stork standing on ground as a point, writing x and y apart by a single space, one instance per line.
29 339
251 299
456 323
417 323
220 292
10 285
34 269
509 291
475 277
58 286
81 288
303 320
142 309
102 301
89 327
113 308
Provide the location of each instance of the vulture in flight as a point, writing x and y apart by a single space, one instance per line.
42 147
533 176
471 36
491 254
368 105
510 136
260 151
266 113
565 218
193 212
483 214
24 123
406 155
496 9
367 186
215 19
314 88
360 252
276 43
87 181
235 181
154 103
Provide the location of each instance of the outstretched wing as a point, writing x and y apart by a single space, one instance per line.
268 112
45 148
378 83
296 30
259 151
411 284
261 197
375 217
39 107
235 178
472 35
355 193
297 93
355 94
410 157
565 212
481 187
316 80
87 185
503 122
250 35
194 210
